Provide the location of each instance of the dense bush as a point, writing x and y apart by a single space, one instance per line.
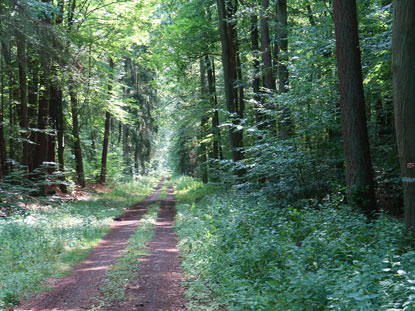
258 256
284 169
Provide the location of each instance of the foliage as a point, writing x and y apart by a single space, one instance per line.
51 238
257 255
189 189
289 171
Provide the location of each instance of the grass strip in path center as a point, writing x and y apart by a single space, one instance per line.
126 269
158 286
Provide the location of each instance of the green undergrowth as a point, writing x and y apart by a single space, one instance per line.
126 269
48 240
247 254
188 189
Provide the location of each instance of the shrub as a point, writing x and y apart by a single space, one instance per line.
255 255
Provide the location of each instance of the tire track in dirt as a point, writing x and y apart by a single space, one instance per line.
75 292
158 287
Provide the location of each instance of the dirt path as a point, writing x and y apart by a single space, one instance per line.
74 292
158 287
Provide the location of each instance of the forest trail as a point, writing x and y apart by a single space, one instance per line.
158 286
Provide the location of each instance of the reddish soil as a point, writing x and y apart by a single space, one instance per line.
77 291
158 287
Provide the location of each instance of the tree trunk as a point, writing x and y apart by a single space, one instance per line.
60 131
126 149
33 106
42 120
282 29
354 129
105 144
403 66
22 108
256 82
52 125
13 91
137 156
76 138
227 32
214 101
269 79
3 167
204 96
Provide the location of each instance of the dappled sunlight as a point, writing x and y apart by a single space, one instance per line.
94 268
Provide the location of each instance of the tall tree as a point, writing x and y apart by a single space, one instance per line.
60 119
204 95
268 72
354 129
22 108
43 116
229 61
79 164
3 167
105 144
282 30
216 147
256 80
403 66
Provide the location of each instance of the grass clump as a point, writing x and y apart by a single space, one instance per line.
253 255
48 241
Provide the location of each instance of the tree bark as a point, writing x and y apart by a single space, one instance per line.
32 106
13 90
107 130
41 148
256 81
105 144
52 125
268 74
214 101
282 29
354 129
76 138
204 96
126 149
403 67
3 167
22 108
230 73
60 131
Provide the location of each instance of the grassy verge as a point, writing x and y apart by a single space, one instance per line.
127 267
249 254
189 191
49 240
